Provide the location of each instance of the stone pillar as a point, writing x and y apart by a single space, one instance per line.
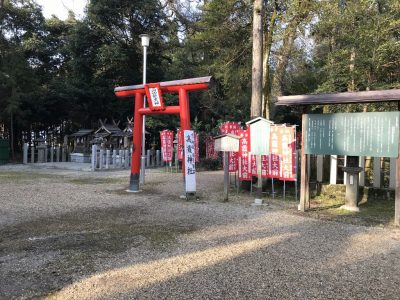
126 155
58 154
333 175
176 159
40 150
63 154
114 158
120 154
108 159
158 158
320 167
101 161
362 173
51 154
32 154
94 157
25 153
345 173
46 154
377 172
148 159
393 166
352 191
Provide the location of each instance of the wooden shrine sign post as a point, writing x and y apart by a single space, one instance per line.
154 92
226 143
354 134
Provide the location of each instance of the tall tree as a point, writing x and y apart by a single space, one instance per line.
257 62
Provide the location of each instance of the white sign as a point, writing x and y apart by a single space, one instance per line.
155 97
190 167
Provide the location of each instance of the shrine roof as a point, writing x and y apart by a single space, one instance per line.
341 98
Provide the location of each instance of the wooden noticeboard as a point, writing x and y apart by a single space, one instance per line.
358 134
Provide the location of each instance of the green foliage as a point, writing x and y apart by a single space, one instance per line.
60 75
209 164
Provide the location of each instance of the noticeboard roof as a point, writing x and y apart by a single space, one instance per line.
255 120
341 98
227 135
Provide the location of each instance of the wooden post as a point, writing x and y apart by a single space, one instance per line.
397 193
226 175
333 175
304 185
362 173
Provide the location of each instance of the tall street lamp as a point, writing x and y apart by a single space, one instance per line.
145 43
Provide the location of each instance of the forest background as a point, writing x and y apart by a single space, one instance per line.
59 76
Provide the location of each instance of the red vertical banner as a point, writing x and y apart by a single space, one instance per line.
275 147
196 147
210 149
288 155
264 166
167 138
233 158
253 165
180 144
244 143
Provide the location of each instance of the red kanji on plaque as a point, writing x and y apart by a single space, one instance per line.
154 96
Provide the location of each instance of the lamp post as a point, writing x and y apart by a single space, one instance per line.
145 43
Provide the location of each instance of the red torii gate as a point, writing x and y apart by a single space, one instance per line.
154 91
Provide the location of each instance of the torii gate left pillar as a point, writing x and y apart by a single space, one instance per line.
154 93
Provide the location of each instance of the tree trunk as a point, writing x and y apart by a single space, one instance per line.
257 65
266 68
303 10
351 86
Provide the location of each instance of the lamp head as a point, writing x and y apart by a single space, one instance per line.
145 40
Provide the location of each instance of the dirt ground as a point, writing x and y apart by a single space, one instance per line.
78 235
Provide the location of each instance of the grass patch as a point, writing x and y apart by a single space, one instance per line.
96 180
17 177
376 208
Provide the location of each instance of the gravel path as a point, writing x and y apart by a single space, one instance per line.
79 235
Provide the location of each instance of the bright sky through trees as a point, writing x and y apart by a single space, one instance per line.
60 7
